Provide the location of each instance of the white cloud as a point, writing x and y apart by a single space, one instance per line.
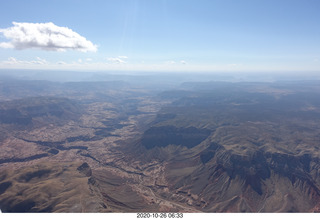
170 62
11 61
117 60
45 36
61 63
16 62
39 61
6 45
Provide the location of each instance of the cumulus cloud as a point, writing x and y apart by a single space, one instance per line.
45 36
117 60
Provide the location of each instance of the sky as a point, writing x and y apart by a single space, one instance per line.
161 35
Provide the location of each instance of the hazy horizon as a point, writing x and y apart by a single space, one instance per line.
166 36
74 76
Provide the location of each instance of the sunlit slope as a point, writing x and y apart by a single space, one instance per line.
48 187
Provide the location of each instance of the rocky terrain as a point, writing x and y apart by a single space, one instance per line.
121 147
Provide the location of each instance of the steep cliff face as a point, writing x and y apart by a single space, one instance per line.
240 151
217 180
214 178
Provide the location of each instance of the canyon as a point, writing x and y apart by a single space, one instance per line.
116 146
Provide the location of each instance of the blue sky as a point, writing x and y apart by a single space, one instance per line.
165 35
